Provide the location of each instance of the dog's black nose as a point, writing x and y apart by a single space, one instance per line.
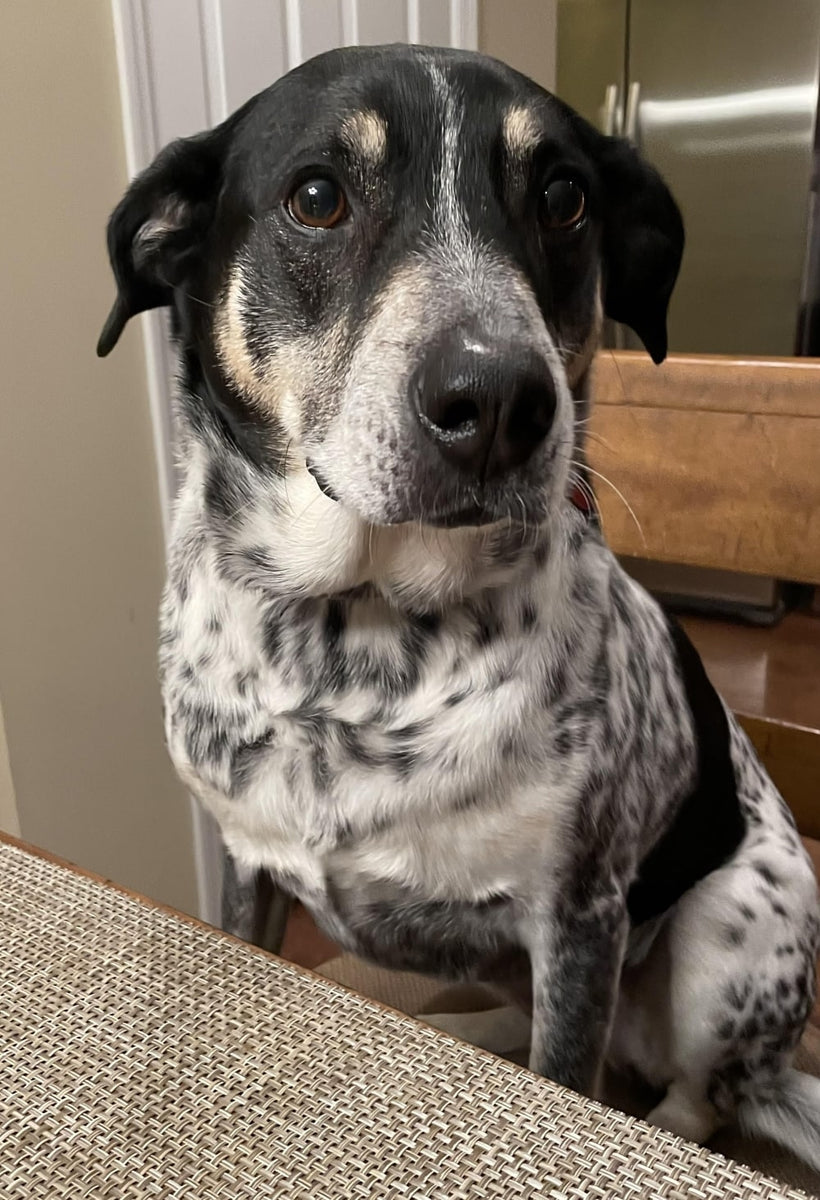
486 413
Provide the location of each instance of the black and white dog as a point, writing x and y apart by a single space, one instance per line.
400 665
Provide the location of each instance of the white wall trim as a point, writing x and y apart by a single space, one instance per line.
139 130
350 22
413 22
132 64
213 60
293 25
464 24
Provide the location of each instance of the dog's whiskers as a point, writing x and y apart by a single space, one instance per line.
618 493
307 507
282 465
197 300
601 440
611 354
593 434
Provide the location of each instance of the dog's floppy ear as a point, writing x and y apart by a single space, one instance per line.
159 225
642 243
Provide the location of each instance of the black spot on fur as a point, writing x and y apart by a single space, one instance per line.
528 617
320 768
734 1073
427 623
182 582
350 738
336 675
709 825
272 637
765 872
403 761
466 803
737 994
540 554
488 629
735 936
750 1029
334 622
498 678
259 560
564 741
247 757
221 495
768 1062
555 683
601 677
410 731
243 681
617 594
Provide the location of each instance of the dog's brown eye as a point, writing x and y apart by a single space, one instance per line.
564 204
318 203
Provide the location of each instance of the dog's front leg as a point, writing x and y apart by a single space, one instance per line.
253 907
576 959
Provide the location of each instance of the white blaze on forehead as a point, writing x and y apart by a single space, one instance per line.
521 131
365 134
449 214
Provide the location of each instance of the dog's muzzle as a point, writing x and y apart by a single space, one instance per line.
485 411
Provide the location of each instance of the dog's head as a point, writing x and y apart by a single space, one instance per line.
389 270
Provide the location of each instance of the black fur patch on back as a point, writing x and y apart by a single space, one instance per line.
709 825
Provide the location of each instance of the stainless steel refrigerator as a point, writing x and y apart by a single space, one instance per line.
722 96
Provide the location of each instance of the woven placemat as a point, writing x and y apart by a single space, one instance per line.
143 1056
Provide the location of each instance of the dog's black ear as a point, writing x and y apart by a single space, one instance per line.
642 243
159 225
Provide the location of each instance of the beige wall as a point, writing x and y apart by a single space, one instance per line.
521 33
80 541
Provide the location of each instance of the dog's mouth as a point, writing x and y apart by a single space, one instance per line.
472 515
321 482
469 515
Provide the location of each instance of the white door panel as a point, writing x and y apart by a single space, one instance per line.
251 48
433 24
320 27
383 21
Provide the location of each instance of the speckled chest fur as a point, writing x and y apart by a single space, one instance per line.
353 748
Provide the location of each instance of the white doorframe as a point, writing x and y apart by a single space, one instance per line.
172 58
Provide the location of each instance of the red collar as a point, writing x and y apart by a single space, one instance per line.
582 499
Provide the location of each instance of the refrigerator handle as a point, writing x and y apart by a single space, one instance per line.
611 113
633 104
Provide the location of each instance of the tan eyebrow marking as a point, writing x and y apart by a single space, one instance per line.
365 134
521 131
